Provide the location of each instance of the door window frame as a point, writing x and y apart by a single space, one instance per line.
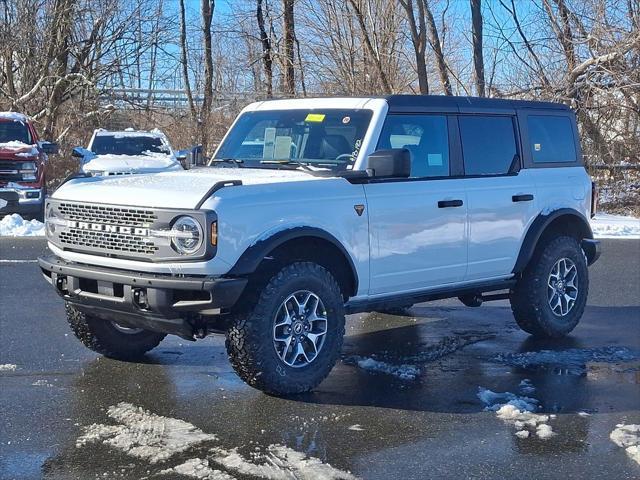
455 160
516 134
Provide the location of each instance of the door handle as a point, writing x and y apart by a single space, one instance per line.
449 203
526 197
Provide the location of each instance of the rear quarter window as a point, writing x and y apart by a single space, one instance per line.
551 139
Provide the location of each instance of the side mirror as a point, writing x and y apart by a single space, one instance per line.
392 163
49 148
183 157
77 152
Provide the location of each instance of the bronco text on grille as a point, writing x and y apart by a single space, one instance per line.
108 228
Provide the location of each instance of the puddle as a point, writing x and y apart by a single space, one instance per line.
408 367
574 361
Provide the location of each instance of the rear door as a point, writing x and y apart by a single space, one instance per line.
501 196
418 226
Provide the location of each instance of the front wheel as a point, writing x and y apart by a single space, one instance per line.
291 338
550 297
110 338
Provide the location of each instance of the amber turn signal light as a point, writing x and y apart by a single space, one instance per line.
214 234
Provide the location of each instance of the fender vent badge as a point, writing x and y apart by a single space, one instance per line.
359 209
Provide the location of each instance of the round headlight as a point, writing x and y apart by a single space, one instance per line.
186 236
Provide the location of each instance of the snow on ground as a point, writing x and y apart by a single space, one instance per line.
403 372
197 468
628 437
518 410
143 434
156 439
7 367
572 361
605 225
15 226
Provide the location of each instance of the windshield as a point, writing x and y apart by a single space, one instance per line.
13 131
329 139
128 145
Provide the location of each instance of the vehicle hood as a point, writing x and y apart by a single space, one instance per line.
179 189
129 163
18 151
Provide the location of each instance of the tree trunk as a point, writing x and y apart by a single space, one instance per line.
478 61
184 60
207 7
289 86
419 42
59 49
441 63
267 61
386 86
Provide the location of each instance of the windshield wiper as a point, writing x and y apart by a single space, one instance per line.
295 163
233 161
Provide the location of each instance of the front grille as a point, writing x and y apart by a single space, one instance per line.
103 241
105 214
120 231
116 242
9 171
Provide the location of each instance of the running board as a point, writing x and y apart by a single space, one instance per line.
392 301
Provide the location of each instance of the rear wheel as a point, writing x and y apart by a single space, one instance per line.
550 298
109 338
291 338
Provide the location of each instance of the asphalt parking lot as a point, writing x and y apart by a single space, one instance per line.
63 416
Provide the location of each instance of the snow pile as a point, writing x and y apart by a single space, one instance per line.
572 361
143 434
518 411
7 367
155 438
197 468
403 372
615 226
15 226
279 463
18 145
628 437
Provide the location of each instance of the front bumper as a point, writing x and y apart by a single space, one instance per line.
13 202
156 302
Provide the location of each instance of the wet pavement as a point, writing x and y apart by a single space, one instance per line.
375 425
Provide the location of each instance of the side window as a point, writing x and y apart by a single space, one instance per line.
488 144
425 136
551 139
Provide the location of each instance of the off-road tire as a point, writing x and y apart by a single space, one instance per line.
529 299
249 339
102 337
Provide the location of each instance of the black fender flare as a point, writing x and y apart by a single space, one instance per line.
537 228
253 256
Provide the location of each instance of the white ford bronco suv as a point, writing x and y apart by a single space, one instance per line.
311 209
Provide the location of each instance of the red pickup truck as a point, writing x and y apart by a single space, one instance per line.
22 166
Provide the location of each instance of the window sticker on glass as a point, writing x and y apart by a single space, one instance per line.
434 159
315 117
282 147
269 139
537 147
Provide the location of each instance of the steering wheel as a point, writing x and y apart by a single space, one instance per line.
346 155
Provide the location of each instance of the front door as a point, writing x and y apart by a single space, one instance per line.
417 226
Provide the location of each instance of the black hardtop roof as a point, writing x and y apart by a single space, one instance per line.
406 102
